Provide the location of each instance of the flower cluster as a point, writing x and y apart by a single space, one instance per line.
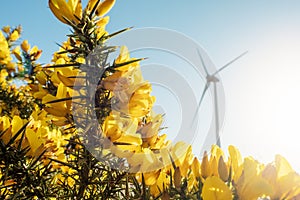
81 99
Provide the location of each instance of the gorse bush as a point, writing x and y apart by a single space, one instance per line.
82 127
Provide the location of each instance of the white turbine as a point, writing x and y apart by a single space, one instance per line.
211 78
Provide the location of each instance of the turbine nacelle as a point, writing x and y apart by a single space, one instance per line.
212 78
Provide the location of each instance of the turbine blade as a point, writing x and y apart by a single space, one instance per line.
229 63
200 101
202 61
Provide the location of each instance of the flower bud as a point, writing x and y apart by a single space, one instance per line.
25 46
214 166
6 29
16 51
223 169
205 167
196 167
177 178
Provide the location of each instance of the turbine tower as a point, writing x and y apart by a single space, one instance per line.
212 79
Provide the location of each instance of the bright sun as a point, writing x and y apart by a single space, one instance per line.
263 98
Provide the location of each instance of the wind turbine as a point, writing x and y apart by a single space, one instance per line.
212 79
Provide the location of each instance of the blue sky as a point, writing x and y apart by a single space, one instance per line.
262 89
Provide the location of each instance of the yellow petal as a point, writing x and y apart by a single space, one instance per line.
236 161
216 151
69 82
56 112
14 36
62 10
103 21
34 139
3 73
257 188
16 51
151 177
41 77
287 185
270 174
17 124
78 9
251 185
215 189
283 167
5 126
91 4
4 123
40 93
61 91
105 7
130 139
34 50
123 57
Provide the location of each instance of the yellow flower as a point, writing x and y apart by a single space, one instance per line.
4 126
14 35
35 53
41 77
16 124
178 153
115 126
161 182
11 66
55 105
283 179
140 102
144 160
25 46
63 11
17 52
251 185
6 29
216 151
35 140
186 164
4 50
150 130
125 57
151 177
215 189
40 93
3 75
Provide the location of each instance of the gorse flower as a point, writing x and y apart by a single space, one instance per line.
71 11
66 11
5 57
